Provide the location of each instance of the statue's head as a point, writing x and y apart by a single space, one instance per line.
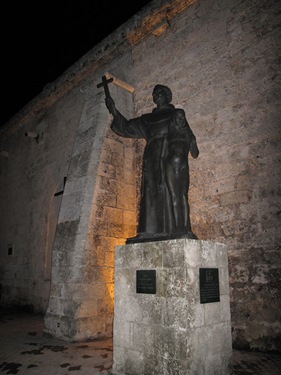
165 91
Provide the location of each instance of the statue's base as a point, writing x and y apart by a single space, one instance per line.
172 309
148 237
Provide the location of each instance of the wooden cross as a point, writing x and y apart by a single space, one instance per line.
104 83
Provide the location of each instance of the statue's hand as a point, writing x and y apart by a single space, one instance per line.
109 102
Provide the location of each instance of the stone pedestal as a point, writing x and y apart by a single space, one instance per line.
166 325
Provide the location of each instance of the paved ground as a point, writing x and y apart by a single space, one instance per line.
25 350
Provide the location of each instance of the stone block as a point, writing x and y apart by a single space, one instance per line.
171 331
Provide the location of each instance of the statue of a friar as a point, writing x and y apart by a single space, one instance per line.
164 207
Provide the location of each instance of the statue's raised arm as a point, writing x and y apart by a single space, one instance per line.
110 104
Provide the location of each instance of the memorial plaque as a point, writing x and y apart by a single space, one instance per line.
146 281
209 285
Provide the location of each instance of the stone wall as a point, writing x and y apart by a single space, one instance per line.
97 213
32 172
221 60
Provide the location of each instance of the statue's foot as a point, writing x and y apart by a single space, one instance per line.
190 235
143 237
149 237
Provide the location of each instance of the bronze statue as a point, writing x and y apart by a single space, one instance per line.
164 208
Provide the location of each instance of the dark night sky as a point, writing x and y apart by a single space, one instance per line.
41 40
